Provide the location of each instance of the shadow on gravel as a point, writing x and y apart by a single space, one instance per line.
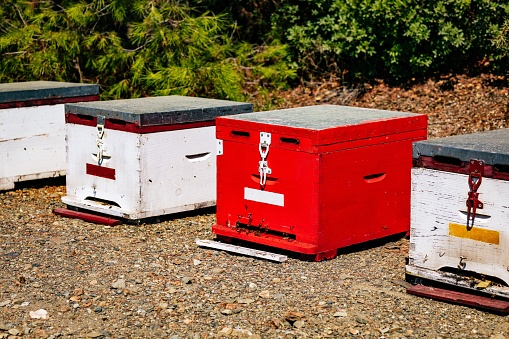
298 256
39 183
371 244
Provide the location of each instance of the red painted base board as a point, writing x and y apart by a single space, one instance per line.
93 218
460 298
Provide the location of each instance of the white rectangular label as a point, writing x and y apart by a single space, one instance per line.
264 196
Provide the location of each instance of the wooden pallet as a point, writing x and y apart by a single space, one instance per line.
242 250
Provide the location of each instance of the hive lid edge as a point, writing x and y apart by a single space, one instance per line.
43 90
490 146
156 111
320 117
416 128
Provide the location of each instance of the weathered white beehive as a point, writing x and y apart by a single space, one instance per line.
460 210
145 157
32 128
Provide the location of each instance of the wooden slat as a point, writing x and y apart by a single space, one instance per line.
455 297
242 250
97 219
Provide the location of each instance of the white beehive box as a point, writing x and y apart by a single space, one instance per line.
145 157
447 243
32 128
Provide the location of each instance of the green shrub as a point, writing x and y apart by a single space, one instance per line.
394 38
501 40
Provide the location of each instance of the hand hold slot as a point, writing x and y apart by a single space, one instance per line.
372 178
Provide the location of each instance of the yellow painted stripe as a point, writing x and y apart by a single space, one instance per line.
475 233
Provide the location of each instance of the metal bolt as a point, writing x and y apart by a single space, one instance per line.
462 264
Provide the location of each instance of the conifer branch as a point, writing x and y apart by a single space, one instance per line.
159 48
13 53
78 68
20 15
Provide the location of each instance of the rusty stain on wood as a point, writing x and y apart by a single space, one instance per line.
475 233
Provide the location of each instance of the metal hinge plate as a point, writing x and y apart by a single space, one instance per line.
219 149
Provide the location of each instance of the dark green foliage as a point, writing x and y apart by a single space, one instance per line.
157 47
395 38
132 48
251 16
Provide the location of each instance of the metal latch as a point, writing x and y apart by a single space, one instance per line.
99 141
263 166
474 181
219 149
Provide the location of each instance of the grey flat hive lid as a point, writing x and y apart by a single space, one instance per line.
320 117
38 90
490 146
164 110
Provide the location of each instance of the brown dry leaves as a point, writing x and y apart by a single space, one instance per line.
455 104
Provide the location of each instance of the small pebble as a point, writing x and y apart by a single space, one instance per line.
298 324
225 331
13 331
340 314
94 334
264 294
118 284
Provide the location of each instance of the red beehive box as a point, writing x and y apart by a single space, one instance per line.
315 179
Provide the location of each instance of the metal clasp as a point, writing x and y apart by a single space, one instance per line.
99 141
263 166
474 181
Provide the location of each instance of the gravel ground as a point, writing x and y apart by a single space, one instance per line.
152 281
